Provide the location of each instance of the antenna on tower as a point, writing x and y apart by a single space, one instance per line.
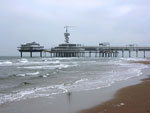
66 34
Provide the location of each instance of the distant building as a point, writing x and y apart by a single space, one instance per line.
132 45
104 44
31 47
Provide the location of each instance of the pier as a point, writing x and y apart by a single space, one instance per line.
68 49
102 50
30 47
96 51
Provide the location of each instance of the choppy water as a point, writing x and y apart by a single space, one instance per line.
35 77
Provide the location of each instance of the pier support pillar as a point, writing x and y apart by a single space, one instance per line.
111 54
129 53
45 54
41 54
122 53
21 54
136 53
90 54
30 54
50 54
144 54
102 54
83 54
54 55
105 54
96 54
114 54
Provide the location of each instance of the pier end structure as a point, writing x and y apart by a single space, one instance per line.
67 49
30 47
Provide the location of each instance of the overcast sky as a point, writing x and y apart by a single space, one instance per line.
119 22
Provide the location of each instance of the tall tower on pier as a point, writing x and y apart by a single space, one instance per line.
66 34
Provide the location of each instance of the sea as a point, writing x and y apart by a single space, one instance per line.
26 78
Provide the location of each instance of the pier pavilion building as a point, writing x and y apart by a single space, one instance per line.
31 47
67 49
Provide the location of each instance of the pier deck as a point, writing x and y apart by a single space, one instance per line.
108 51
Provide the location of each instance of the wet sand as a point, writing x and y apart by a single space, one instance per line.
143 62
132 99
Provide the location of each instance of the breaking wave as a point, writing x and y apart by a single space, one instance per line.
5 62
60 66
28 74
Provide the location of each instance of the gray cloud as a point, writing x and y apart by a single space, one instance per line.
116 21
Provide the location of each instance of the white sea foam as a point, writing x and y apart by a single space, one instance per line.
44 76
81 80
23 61
34 73
69 58
26 62
15 96
33 93
60 66
21 75
134 59
28 74
3 63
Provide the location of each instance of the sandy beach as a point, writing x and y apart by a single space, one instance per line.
132 99
143 62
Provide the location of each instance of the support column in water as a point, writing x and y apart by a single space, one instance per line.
99 54
41 54
31 54
96 54
111 54
122 53
21 54
129 53
103 54
90 54
136 53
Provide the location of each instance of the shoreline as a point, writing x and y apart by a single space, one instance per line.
62 104
130 99
141 62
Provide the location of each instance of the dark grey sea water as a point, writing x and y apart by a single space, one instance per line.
23 78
